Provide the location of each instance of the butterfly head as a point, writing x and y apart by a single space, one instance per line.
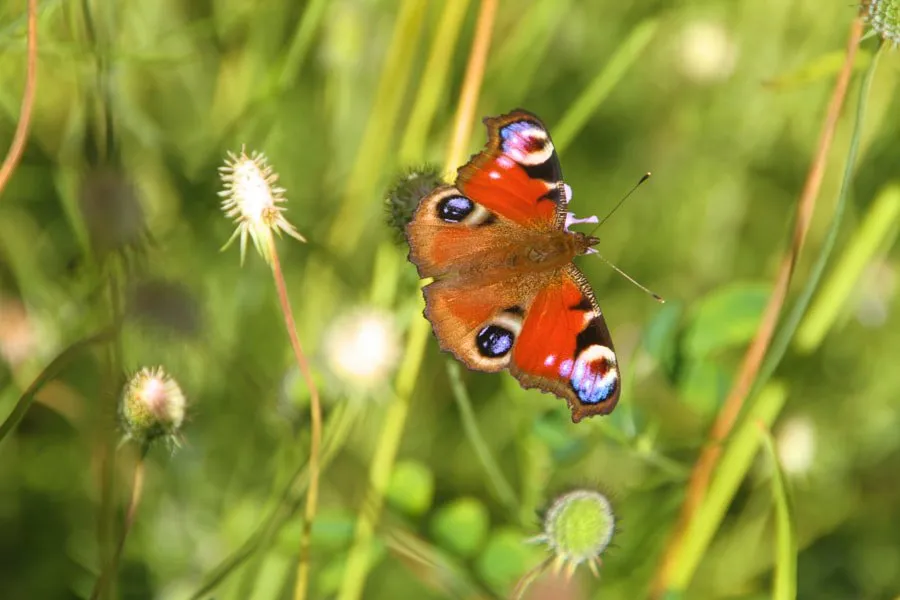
584 243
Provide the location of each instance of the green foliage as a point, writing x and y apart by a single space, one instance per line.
434 477
461 526
411 488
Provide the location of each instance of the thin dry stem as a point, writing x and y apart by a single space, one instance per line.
731 409
528 578
21 135
315 411
137 491
471 88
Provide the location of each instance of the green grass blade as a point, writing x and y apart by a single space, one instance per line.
309 24
375 146
790 323
434 80
784 586
878 226
581 110
50 371
497 481
737 457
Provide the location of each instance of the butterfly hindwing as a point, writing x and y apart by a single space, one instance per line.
564 347
479 321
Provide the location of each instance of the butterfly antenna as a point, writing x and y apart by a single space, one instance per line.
624 198
656 297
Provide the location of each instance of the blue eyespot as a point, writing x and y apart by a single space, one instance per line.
494 341
594 378
455 208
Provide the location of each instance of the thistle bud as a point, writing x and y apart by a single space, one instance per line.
883 16
152 407
404 196
577 529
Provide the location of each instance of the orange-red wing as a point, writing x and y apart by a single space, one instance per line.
517 175
565 348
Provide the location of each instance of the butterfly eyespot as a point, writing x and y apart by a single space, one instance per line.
527 143
594 375
454 209
495 341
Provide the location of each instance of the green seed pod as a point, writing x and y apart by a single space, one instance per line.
578 528
403 197
883 16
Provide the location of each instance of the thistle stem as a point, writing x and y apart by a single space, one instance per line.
137 492
315 411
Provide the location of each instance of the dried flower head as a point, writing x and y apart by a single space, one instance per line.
577 529
152 407
252 199
883 16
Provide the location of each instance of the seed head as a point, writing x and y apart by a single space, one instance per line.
404 196
152 407
883 16
577 529
252 199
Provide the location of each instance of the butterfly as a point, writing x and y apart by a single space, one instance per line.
506 294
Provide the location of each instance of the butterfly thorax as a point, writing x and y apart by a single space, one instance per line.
547 251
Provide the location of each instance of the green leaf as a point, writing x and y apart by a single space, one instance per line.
822 67
704 385
728 317
878 228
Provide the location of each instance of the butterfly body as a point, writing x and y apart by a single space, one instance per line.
506 293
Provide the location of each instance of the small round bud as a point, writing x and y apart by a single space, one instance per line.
152 406
883 16
578 528
403 197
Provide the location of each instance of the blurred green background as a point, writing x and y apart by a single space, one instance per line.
114 211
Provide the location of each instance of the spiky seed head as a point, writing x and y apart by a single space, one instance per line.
253 200
405 194
577 529
152 407
883 16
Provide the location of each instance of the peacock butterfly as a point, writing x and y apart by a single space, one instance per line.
506 293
